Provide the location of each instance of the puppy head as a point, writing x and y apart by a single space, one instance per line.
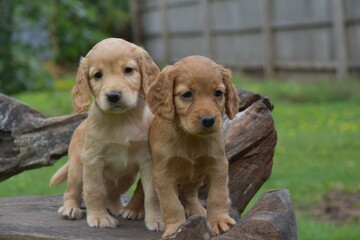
194 92
116 73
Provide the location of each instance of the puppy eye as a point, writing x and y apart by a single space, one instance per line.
187 95
128 70
98 75
218 93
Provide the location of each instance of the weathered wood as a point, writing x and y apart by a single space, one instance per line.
340 38
243 36
165 37
207 29
195 228
30 140
35 218
136 22
271 218
267 32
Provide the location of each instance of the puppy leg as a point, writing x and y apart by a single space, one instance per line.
153 216
171 207
189 199
218 202
135 208
114 191
72 196
95 196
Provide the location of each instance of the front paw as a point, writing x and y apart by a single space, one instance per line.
70 212
155 223
104 220
171 229
194 209
221 225
115 208
133 213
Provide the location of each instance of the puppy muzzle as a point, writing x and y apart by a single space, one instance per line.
113 97
207 121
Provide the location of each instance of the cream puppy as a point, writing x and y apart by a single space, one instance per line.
110 147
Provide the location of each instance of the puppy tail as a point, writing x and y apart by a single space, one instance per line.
60 176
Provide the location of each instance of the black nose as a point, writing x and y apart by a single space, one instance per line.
113 96
207 120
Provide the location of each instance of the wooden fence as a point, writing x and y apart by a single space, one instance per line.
260 35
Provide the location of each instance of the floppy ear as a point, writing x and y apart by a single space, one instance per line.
148 68
159 96
81 94
232 100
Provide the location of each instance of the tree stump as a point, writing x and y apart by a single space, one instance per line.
30 140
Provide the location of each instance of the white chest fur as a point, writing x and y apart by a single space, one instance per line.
119 143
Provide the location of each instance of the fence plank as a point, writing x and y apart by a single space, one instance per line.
256 35
165 30
207 29
268 38
340 39
135 21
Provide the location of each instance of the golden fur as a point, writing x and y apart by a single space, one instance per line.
189 100
110 147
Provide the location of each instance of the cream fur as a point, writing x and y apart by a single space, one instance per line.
110 147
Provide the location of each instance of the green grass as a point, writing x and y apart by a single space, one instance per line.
36 182
310 229
50 103
318 126
33 182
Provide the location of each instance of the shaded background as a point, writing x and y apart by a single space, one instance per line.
43 40
304 54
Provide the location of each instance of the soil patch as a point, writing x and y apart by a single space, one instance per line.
340 206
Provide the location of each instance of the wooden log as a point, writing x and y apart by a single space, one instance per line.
30 140
271 218
35 218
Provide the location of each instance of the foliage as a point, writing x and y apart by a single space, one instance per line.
93 19
38 31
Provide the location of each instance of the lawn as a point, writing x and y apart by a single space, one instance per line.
318 125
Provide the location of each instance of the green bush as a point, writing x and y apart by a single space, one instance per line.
32 32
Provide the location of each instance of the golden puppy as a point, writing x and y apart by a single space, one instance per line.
189 100
109 148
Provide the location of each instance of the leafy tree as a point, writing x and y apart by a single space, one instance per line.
62 30
78 25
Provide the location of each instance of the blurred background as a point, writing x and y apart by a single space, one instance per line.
303 54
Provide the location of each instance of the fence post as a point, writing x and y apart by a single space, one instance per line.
339 23
207 29
268 38
136 22
165 31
